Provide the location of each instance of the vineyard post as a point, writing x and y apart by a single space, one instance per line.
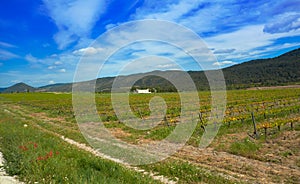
215 126
141 116
166 121
201 120
254 125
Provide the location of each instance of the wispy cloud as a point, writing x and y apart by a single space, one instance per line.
55 63
284 23
51 67
74 18
248 42
62 70
224 51
6 55
87 51
32 59
236 29
218 16
8 45
224 63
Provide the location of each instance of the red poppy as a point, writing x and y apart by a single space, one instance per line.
24 148
40 158
50 154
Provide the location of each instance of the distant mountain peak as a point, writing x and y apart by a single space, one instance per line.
19 87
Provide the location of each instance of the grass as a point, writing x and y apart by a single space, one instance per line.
186 172
245 148
36 156
287 153
160 133
85 168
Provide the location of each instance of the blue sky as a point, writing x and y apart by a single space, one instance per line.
41 41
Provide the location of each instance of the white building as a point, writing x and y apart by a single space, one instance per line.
142 91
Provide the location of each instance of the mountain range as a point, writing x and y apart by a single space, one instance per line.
281 70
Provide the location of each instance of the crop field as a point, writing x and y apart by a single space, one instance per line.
258 141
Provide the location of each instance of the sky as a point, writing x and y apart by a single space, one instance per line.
42 41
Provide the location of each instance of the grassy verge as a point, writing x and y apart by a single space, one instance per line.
36 156
186 172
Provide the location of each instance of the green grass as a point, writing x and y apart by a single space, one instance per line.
186 172
85 168
160 133
36 156
287 153
245 148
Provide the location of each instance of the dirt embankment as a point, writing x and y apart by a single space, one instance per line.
274 87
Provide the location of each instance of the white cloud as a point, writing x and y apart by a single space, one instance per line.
166 66
31 58
171 11
62 70
51 67
57 62
224 63
87 51
74 18
224 51
199 15
283 23
15 81
236 29
246 41
51 82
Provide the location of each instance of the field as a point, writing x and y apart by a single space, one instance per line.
41 141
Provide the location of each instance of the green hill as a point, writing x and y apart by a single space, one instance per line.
61 87
281 70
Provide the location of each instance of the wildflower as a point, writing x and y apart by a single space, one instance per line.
24 148
25 125
40 158
50 154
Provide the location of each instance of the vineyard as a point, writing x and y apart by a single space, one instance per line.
258 140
